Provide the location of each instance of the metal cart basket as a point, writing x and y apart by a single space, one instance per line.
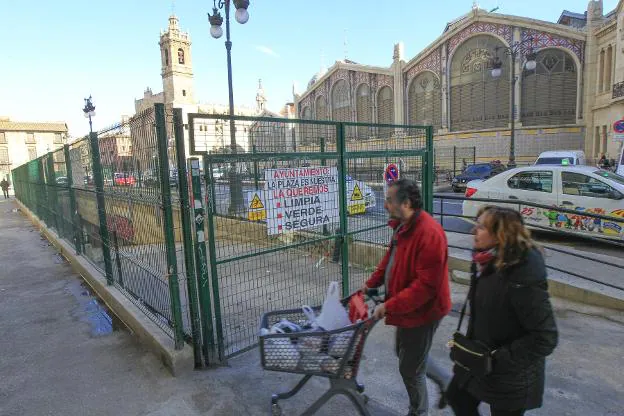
333 354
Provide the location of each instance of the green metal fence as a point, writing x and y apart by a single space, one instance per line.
110 196
292 207
205 249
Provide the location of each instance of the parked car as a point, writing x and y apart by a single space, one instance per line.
585 189
561 157
123 179
480 171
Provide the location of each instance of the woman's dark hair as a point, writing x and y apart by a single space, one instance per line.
408 190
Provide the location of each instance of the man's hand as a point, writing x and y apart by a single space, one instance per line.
380 311
364 288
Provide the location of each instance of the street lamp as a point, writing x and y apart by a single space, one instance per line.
497 65
89 111
242 16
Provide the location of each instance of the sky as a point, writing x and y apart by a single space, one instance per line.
56 53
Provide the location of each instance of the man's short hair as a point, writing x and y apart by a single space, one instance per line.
408 190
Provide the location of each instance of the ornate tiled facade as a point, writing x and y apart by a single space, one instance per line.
504 31
541 40
582 86
431 62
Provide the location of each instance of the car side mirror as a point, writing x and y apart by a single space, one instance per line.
616 195
597 189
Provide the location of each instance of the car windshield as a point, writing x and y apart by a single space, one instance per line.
555 161
477 170
610 175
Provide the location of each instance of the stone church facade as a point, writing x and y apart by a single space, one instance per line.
569 101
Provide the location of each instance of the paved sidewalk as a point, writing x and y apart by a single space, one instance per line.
61 356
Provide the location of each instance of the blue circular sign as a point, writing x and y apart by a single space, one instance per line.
391 173
618 126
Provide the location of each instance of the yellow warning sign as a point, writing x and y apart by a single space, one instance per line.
356 209
256 203
357 194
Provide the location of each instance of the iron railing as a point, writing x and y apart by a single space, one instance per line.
618 90
449 222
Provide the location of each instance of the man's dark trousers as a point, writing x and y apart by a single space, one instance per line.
412 347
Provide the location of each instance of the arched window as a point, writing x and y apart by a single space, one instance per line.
166 57
181 56
477 100
425 100
601 68
321 108
385 110
364 109
306 129
608 65
340 101
549 91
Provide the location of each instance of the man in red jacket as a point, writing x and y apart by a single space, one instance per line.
415 274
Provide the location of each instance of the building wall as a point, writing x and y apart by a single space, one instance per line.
430 74
23 146
605 69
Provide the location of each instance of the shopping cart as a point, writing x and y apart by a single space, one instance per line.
334 354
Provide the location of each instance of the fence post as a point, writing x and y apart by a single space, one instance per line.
51 190
255 164
41 204
117 259
323 163
342 189
474 154
72 199
98 179
172 264
185 216
201 261
428 177
212 251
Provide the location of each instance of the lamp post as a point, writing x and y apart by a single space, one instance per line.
89 111
236 188
513 51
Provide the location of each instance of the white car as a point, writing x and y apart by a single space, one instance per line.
561 157
585 189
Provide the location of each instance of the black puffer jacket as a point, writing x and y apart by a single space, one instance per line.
511 313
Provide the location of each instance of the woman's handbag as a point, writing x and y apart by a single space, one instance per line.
469 354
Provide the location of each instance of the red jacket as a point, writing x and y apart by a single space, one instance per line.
418 292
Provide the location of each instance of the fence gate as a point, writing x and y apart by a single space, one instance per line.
291 205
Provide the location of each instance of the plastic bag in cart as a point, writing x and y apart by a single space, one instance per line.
333 315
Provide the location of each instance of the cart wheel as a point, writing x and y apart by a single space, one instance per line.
276 410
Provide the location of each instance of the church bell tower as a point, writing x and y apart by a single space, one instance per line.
177 65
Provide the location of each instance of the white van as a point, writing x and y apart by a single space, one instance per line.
561 157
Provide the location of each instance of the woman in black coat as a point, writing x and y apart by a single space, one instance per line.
510 312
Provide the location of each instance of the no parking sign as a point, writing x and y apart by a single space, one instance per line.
391 175
618 130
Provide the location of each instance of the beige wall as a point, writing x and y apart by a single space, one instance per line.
606 69
18 148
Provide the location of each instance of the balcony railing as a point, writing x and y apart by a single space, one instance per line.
618 90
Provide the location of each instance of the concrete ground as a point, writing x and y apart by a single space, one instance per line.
63 355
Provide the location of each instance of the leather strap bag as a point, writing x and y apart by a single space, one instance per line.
471 355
